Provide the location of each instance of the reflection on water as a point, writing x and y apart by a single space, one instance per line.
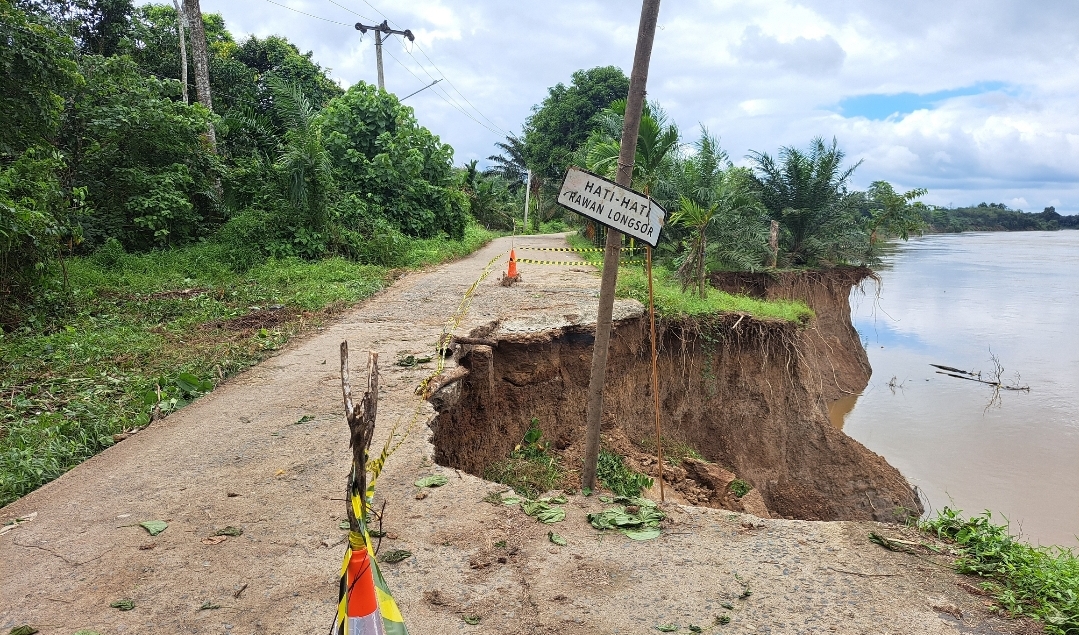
840 408
956 300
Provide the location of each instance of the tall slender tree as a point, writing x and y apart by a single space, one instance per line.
201 60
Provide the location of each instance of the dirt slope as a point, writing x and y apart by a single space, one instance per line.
237 457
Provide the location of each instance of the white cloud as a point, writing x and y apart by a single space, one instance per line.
801 55
760 74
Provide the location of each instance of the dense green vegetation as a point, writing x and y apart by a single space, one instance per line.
1039 582
101 146
143 259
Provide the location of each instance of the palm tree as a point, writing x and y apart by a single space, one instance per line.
510 164
657 144
304 162
731 217
805 193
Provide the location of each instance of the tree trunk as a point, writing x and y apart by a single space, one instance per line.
201 60
183 49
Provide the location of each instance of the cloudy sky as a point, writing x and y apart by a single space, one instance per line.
975 101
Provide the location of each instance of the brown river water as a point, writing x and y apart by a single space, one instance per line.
954 300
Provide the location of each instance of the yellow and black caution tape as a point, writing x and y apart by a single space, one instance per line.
570 263
577 249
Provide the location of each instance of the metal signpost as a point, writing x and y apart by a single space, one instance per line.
613 205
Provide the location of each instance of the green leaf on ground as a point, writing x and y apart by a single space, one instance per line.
543 512
229 531
344 524
85 631
511 500
471 619
638 518
435 480
396 555
667 628
123 605
693 628
556 539
208 605
25 629
154 526
644 534
305 419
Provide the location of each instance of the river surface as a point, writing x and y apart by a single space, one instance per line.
954 300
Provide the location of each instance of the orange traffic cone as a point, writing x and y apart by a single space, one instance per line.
511 276
361 610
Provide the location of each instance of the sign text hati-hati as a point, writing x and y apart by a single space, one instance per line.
613 205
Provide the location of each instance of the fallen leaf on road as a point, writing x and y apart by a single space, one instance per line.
397 555
123 605
435 480
556 539
421 495
229 531
154 526
25 629
208 605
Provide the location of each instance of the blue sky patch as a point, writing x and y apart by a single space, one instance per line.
883 106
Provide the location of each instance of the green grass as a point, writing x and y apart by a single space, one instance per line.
672 302
1039 582
674 452
88 367
530 469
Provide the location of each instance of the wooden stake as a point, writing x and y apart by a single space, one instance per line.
361 426
655 374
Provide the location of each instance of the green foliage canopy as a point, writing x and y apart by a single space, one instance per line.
393 164
564 120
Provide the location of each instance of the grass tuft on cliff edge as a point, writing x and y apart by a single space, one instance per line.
672 302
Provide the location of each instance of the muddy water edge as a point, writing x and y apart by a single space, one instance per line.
749 395
954 300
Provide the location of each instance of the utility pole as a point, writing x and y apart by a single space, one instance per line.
646 34
180 20
380 30
528 187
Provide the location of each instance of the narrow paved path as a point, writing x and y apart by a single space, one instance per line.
238 457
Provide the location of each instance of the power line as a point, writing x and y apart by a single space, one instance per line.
446 97
310 15
439 70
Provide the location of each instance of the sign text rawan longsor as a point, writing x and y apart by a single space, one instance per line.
619 208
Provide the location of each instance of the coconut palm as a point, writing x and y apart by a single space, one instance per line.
657 144
510 164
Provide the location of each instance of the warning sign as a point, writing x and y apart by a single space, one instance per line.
617 207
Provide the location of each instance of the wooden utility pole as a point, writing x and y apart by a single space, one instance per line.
201 63
180 19
646 33
379 30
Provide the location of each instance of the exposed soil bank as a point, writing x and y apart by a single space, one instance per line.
749 395
832 340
